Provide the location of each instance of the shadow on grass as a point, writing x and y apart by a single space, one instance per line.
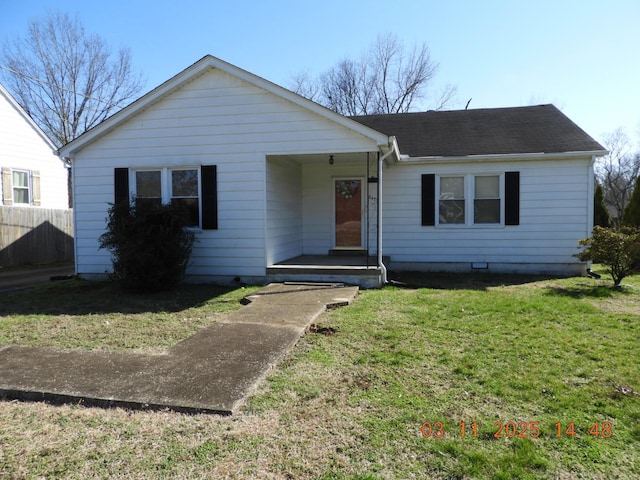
81 297
461 281
583 291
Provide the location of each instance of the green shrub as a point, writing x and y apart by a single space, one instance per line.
601 215
149 244
618 251
631 215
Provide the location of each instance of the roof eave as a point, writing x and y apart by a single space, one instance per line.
503 157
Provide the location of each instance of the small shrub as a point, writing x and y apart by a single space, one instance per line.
149 244
618 251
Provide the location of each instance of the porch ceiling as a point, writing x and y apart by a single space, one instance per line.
315 158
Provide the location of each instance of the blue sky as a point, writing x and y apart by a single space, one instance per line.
582 55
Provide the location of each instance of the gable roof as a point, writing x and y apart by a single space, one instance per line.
202 65
14 103
489 131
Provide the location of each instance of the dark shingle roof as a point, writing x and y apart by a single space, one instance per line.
488 131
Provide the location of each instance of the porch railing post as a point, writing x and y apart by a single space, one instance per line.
367 212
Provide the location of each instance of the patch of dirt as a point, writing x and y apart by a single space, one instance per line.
327 331
618 305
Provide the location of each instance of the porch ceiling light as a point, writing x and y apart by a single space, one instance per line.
331 160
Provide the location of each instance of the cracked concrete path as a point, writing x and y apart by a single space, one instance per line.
212 371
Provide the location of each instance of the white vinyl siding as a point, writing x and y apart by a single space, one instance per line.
284 210
215 119
554 212
25 149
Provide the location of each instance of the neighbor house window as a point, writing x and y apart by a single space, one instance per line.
21 187
178 186
470 200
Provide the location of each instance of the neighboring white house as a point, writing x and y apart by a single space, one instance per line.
282 188
32 176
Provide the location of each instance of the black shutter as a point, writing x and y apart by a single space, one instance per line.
121 185
512 198
208 177
428 199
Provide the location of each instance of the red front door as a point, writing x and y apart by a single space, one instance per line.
348 213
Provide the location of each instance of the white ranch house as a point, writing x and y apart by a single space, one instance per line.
281 188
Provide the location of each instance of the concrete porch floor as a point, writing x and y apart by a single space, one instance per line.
357 270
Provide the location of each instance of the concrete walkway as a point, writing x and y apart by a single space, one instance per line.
212 371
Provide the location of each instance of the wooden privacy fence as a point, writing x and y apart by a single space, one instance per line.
32 236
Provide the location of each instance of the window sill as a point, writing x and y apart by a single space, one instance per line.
474 226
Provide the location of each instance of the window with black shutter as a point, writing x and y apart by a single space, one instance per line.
466 199
192 188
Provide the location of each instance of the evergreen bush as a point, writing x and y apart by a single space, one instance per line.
601 215
631 215
150 245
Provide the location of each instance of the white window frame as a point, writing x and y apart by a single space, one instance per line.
465 199
166 187
469 200
29 187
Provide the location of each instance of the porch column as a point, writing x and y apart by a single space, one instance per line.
379 222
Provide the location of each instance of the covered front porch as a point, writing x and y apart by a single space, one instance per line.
322 218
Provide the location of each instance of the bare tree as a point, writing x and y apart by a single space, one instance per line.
68 81
303 84
386 79
617 172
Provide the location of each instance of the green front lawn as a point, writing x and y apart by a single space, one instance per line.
379 390
98 315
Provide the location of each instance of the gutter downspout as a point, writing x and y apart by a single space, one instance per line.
590 206
392 148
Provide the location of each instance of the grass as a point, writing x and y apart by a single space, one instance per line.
98 315
350 400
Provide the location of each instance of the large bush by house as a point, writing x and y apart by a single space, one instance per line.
150 245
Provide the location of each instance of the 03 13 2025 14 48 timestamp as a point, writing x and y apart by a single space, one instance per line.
516 429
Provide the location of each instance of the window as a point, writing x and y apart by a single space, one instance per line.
492 199
486 203
184 192
21 187
470 200
148 188
178 186
452 208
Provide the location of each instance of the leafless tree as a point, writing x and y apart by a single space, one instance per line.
617 172
67 80
386 79
303 84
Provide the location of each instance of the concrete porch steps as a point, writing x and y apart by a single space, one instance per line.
351 270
